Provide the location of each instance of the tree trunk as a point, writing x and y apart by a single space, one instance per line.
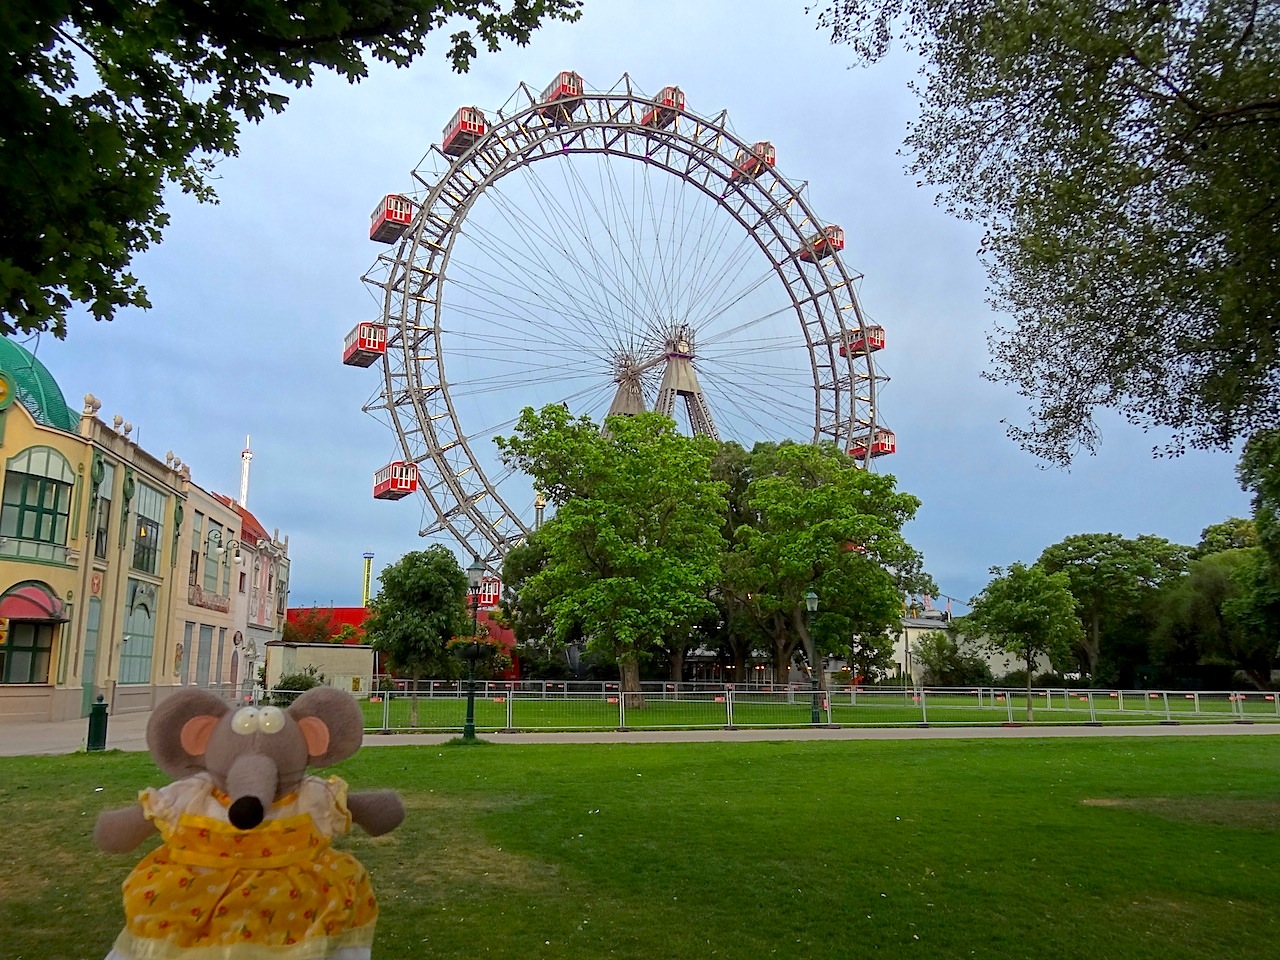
677 664
629 675
1030 710
1093 648
413 705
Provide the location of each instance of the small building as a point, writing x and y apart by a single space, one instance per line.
345 666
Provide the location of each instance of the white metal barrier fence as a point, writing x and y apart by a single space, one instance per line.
566 705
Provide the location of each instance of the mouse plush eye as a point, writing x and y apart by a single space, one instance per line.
271 720
245 721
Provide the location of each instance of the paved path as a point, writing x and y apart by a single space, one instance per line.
128 732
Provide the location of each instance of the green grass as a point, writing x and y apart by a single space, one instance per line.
1160 848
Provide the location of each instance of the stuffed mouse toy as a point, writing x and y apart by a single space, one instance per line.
246 869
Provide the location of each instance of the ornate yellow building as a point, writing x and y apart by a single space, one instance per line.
115 569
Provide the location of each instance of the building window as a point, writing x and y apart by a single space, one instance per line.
204 655
102 512
213 561
197 537
139 632
24 655
242 581
147 531
37 502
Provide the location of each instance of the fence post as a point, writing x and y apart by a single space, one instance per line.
1008 703
924 710
728 707
1093 716
622 708
386 710
511 713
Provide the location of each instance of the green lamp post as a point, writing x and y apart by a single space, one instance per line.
811 607
475 574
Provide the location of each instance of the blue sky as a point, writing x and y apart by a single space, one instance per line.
252 297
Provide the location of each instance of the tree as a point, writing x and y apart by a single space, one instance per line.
810 519
1233 533
107 104
1111 577
1027 612
949 660
420 606
1259 472
634 547
311 626
1124 160
1225 611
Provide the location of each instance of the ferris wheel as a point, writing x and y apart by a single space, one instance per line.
613 252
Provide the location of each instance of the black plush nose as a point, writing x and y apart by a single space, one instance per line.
245 813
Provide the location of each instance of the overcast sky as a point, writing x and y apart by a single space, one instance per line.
252 297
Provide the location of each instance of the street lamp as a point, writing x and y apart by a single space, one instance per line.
811 607
475 573
218 548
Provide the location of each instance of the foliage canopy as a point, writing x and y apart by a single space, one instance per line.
419 607
1123 157
107 104
1111 577
1027 612
633 550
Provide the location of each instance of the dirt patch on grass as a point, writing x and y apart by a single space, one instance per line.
1245 813
441 848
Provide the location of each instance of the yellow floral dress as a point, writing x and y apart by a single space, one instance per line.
278 891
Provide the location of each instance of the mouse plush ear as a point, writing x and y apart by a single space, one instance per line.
331 723
179 730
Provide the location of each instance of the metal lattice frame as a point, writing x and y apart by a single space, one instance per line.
409 280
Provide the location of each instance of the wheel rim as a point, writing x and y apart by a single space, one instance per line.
483 270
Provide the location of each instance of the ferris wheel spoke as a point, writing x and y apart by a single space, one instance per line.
571 301
518 306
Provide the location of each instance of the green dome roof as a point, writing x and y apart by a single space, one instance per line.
36 388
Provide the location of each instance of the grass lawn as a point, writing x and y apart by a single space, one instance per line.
1134 848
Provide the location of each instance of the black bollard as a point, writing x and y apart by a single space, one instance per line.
97 725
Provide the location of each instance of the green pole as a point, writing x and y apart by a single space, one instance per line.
469 725
97 726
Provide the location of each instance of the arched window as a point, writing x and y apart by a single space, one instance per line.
36 508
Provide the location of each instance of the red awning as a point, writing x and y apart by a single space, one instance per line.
31 601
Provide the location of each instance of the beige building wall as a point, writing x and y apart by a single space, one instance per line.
913 628
345 666
136 517
209 651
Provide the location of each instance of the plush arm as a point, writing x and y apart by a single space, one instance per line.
377 811
119 831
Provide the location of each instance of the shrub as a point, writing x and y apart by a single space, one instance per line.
289 686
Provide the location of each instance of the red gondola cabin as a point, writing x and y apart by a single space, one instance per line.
873 341
467 126
397 479
390 218
562 96
666 107
882 441
752 163
823 245
364 344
